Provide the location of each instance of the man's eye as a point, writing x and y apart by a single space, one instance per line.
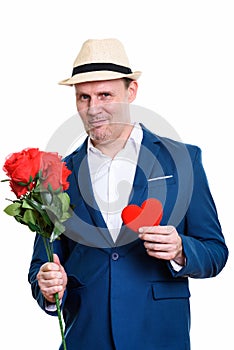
84 97
104 95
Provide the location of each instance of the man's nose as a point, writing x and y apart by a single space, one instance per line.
95 106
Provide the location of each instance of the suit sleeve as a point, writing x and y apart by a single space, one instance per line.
203 242
38 259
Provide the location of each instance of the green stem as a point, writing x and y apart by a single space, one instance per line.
60 320
49 251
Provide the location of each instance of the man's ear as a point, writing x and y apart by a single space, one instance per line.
132 91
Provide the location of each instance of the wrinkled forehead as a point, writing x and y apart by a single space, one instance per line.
100 85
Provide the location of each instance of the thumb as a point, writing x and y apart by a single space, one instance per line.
56 259
61 268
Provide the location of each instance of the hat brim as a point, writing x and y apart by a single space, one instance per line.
98 76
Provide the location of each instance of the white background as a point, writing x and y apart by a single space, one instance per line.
185 51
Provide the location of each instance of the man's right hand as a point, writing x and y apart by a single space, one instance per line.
52 279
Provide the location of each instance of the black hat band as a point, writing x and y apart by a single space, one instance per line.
92 67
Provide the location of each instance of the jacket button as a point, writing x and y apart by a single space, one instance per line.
114 256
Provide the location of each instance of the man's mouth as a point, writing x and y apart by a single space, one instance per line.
95 123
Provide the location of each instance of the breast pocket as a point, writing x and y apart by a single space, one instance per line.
162 180
158 187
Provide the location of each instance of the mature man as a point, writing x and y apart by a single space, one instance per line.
119 289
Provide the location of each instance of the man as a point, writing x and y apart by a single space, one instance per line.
119 289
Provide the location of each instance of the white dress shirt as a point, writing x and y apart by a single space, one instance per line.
112 179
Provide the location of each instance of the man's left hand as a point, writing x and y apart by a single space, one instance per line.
163 242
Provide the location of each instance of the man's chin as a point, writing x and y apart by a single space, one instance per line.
99 134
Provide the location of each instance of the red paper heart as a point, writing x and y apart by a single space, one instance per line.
149 214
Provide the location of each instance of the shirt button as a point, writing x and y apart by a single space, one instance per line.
114 256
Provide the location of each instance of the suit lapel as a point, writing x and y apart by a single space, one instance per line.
87 208
147 161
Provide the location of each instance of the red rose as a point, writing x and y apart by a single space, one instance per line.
22 165
21 168
54 171
20 190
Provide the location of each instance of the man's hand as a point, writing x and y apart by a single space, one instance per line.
52 279
163 242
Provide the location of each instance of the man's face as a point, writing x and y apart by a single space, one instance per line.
104 108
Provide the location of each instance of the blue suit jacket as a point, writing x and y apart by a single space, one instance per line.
117 296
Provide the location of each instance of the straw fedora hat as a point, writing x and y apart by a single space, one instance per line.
101 59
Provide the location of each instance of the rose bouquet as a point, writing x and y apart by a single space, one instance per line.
39 179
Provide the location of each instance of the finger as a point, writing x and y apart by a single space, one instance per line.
159 238
50 266
147 229
51 283
159 247
52 275
46 285
50 291
166 230
56 259
51 297
164 234
161 255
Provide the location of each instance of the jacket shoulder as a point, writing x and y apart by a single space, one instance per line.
174 146
192 149
79 150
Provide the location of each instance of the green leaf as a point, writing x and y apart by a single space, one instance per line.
37 197
23 184
30 217
38 187
26 205
34 205
34 228
19 219
59 228
13 209
58 225
65 200
50 188
58 190
39 208
65 216
54 208
47 197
